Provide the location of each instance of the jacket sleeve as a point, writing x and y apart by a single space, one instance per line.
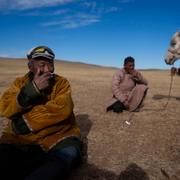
18 98
9 105
141 79
59 108
116 82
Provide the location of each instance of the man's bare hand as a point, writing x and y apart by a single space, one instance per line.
42 80
135 75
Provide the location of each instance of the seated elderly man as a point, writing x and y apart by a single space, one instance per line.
129 88
42 139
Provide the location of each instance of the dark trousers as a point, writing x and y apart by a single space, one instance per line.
116 107
32 163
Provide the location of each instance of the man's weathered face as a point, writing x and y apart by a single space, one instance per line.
129 67
41 65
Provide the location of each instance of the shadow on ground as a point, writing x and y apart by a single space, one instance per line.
91 172
159 96
133 172
84 123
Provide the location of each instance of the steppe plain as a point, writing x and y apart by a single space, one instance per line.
147 149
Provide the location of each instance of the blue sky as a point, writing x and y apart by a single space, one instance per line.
101 32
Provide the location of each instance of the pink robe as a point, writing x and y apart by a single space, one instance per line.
124 86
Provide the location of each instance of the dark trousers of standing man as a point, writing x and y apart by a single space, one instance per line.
32 163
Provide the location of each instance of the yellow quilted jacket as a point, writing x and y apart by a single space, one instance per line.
49 122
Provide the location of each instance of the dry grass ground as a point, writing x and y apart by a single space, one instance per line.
150 145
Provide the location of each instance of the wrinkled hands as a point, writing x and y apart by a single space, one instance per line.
135 75
42 80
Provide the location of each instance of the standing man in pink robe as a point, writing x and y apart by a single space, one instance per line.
129 88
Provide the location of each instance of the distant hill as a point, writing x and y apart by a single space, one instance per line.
79 64
63 62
